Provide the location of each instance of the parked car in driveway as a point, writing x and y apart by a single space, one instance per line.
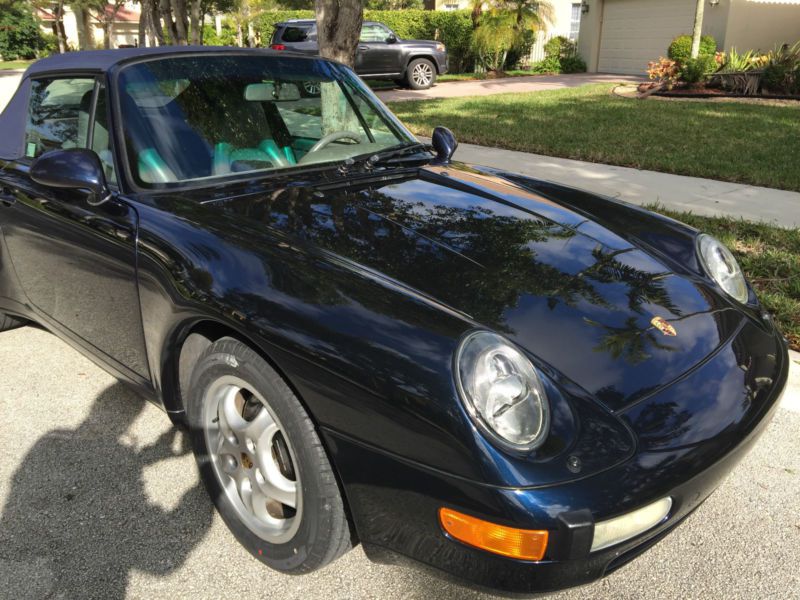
381 54
516 383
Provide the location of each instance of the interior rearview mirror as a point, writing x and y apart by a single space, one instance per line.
272 92
75 168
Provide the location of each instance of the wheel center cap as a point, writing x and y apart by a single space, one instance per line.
247 462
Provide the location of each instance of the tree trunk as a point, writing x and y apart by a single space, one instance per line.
169 24
108 32
196 22
338 28
181 22
154 24
58 27
698 28
85 31
143 25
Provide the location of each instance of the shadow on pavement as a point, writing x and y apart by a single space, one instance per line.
78 520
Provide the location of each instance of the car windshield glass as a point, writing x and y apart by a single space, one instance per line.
211 116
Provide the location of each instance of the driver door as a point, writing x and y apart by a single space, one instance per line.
76 263
375 55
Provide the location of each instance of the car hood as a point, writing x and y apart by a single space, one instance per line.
588 303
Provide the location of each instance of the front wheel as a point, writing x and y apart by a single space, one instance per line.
262 461
420 74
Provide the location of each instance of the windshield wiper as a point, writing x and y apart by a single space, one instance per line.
397 156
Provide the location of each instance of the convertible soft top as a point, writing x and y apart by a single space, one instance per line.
103 60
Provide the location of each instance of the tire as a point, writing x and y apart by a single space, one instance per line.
7 322
420 74
235 394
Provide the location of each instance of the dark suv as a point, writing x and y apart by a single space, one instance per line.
380 55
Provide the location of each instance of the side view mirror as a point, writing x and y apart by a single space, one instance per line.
391 39
444 144
76 168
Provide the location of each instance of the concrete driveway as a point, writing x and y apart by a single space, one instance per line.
100 499
507 85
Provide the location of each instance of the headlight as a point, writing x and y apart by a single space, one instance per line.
502 391
440 47
721 265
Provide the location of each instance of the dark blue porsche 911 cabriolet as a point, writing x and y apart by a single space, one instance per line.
515 383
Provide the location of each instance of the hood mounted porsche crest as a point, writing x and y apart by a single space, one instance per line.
663 326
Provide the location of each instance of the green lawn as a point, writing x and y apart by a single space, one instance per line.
14 64
748 143
769 256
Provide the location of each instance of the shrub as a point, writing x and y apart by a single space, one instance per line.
561 56
680 50
520 50
20 36
49 45
663 71
782 73
573 64
548 65
694 70
560 47
226 37
492 40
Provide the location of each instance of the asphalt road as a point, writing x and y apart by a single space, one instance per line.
100 499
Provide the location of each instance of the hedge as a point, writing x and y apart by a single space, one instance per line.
452 28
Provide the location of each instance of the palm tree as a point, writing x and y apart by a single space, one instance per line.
503 25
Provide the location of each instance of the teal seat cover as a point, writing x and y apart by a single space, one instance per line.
153 169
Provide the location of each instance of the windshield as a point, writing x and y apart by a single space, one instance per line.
195 117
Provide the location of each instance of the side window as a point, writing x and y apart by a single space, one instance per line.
101 142
373 32
58 115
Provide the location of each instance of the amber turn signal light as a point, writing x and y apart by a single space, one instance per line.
526 544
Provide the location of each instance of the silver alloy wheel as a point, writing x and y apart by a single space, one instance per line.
252 459
312 88
422 74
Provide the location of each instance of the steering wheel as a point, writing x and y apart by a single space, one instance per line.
332 137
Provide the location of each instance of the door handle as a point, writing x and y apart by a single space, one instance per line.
363 47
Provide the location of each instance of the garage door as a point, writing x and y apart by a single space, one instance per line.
637 31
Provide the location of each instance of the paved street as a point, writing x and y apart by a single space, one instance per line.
100 499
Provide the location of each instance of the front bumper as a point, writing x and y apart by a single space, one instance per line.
441 62
395 503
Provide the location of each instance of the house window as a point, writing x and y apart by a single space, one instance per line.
575 21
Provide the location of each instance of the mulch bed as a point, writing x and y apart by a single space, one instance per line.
705 92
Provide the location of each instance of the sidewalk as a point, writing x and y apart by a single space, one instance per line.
675 192
506 85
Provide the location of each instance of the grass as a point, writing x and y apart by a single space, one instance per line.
769 256
14 64
746 143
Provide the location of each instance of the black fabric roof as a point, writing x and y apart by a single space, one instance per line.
102 60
